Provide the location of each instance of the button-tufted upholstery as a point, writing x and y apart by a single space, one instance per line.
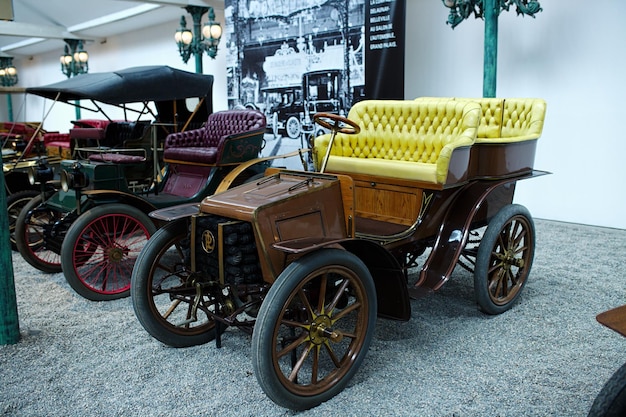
229 136
506 120
507 135
411 140
522 119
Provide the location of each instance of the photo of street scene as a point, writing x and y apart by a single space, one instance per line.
292 59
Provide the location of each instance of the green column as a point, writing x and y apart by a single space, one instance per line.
77 108
490 63
9 323
10 107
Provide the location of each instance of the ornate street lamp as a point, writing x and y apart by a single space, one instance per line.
489 10
8 72
75 60
8 78
199 40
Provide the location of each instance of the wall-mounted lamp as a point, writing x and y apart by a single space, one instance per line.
75 60
199 40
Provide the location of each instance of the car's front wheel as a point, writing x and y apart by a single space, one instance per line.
100 249
314 328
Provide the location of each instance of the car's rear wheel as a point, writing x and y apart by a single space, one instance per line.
293 127
611 400
504 259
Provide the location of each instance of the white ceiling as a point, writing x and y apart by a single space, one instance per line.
40 26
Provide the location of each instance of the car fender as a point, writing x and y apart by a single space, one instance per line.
99 197
391 285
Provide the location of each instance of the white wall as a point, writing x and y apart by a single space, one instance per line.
571 54
151 46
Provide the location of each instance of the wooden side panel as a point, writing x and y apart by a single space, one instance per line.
387 202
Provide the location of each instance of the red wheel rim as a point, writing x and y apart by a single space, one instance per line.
105 254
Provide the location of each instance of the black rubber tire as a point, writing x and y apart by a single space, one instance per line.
163 256
15 204
43 260
98 254
504 259
611 400
284 313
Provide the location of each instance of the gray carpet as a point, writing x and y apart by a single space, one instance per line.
546 357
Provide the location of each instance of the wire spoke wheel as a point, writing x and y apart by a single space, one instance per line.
314 328
100 249
504 259
15 203
33 238
170 306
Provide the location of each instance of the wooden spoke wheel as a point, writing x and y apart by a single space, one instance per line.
504 259
164 295
314 328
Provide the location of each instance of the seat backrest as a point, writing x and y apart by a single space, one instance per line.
506 119
491 114
405 130
117 133
87 123
523 118
232 122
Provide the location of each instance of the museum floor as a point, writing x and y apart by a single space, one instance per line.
546 357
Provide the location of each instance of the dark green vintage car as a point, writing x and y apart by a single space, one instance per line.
93 227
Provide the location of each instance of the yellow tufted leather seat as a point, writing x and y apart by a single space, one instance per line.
506 120
522 119
412 140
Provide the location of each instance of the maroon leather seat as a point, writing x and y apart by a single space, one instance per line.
228 136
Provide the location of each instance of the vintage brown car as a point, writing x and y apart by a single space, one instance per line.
307 261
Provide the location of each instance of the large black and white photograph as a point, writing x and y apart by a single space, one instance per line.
293 59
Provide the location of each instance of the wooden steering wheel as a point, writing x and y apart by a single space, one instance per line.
336 123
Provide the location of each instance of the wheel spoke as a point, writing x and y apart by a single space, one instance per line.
296 368
352 307
304 336
305 300
331 354
340 291
322 295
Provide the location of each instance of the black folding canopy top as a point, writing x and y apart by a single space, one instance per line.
131 85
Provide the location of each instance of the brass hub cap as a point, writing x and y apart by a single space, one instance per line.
321 331
115 254
508 259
